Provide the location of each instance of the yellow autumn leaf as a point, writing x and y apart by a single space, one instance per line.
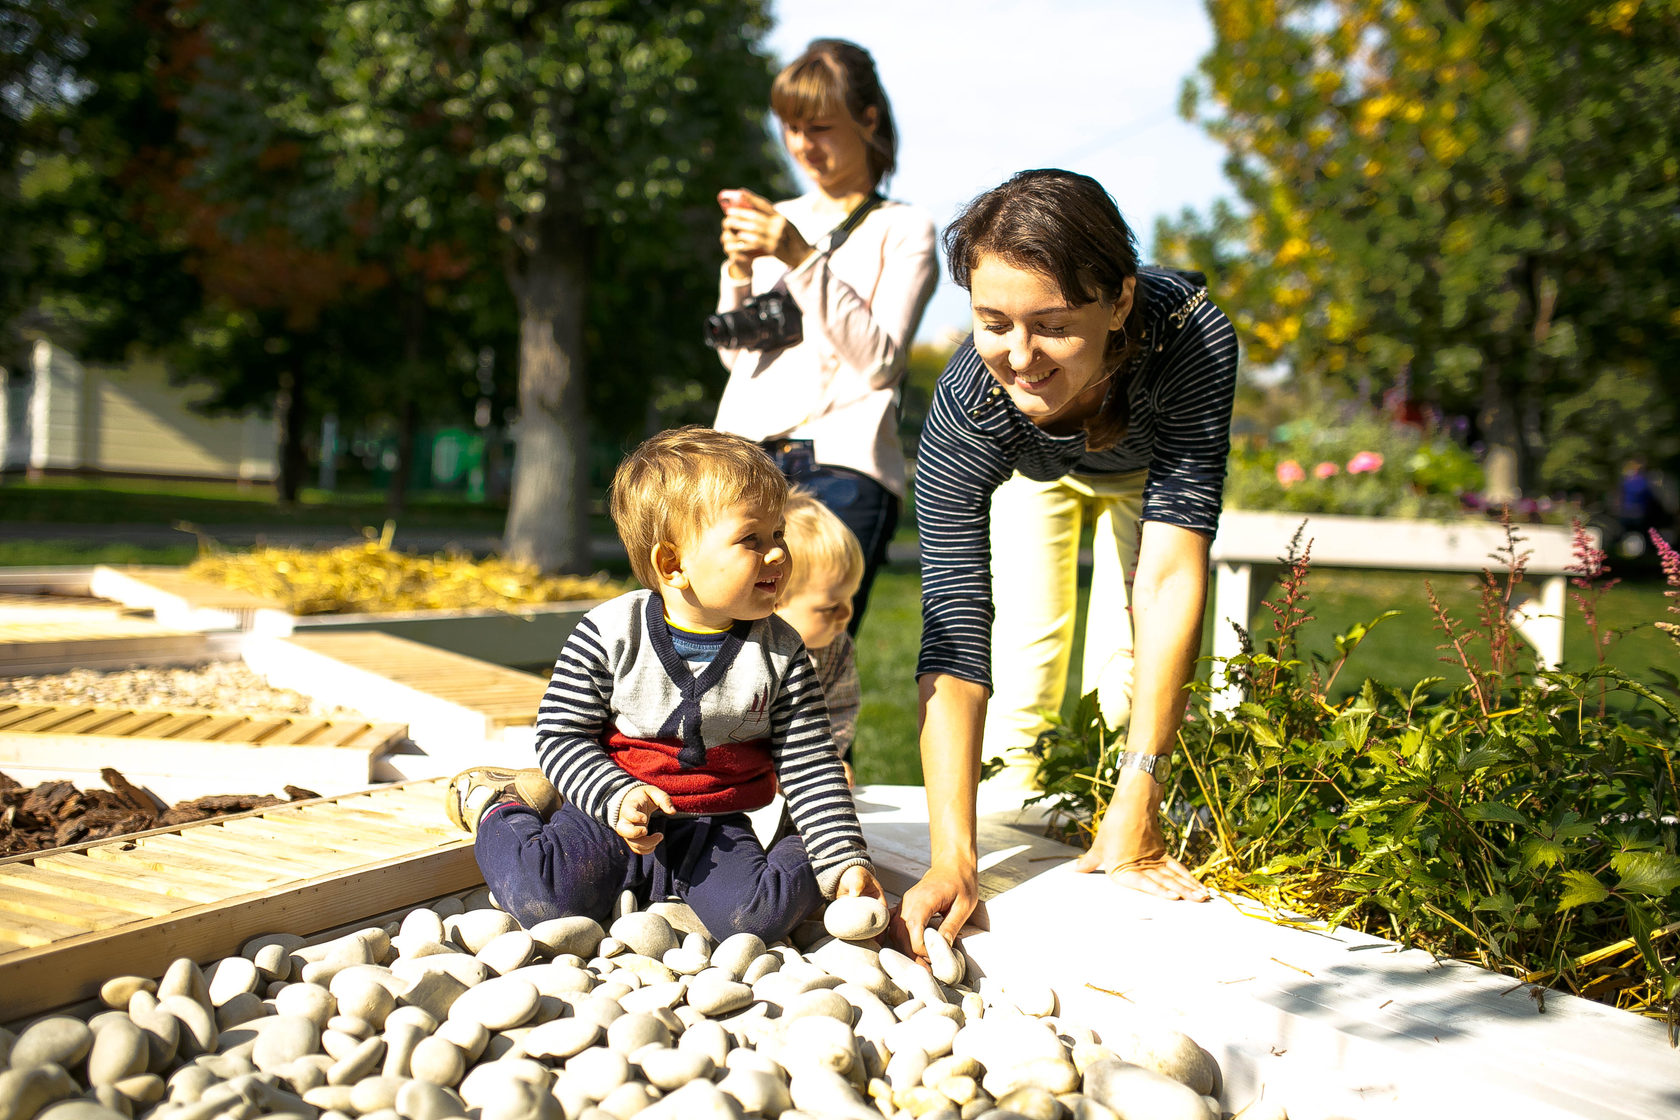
1293 250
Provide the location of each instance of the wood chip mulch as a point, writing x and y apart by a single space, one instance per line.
55 814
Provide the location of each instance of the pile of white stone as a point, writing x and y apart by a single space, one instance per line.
459 1012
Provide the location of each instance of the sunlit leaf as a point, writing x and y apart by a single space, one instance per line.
1580 889
1651 874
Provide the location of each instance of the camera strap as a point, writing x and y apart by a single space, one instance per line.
837 236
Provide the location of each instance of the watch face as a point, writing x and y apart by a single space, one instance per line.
1155 765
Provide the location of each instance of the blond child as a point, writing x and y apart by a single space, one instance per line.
674 711
817 601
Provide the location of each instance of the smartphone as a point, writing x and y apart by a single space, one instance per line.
731 199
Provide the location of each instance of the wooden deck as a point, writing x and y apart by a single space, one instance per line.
54 635
159 748
187 603
456 706
73 917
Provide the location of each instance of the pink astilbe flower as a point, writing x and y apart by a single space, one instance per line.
1326 470
1587 574
1671 573
1365 462
1289 472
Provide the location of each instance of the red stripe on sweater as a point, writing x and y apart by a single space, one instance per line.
735 778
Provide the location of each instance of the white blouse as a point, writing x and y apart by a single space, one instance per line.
860 305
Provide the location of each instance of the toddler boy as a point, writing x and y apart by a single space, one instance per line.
817 601
671 713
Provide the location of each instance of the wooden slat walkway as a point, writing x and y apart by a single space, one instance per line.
248 751
73 917
49 636
443 696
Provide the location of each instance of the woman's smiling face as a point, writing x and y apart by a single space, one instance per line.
1045 352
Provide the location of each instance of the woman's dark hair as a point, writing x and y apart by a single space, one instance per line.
834 75
1064 226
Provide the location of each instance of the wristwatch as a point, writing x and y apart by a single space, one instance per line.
1155 765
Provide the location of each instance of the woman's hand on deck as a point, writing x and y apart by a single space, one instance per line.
953 892
1128 845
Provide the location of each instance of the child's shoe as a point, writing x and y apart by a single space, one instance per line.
475 789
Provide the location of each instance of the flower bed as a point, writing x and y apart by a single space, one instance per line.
1366 467
1521 820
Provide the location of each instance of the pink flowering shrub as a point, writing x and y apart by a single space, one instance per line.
1365 462
1363 466
1671 573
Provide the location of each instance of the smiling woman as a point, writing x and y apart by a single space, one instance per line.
1092 387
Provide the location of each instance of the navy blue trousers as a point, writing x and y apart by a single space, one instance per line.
575 865
869 509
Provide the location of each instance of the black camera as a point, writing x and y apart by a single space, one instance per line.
767 322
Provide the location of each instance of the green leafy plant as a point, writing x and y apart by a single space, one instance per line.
1498 814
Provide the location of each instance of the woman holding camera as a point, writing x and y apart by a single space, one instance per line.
821 296
1114 382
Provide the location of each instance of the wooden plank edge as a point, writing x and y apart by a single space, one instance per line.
52 579
329 799
36 980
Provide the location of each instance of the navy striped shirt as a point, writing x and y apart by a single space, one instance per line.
609 678
975 437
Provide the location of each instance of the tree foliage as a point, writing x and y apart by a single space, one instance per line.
84 136
318 206
575 147
1482 197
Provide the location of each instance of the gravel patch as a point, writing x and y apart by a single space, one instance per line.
224 686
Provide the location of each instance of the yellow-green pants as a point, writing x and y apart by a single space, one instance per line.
1035 533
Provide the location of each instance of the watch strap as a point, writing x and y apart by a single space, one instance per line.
1155 765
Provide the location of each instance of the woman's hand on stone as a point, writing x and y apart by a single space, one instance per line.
948 891
1129 847
753 228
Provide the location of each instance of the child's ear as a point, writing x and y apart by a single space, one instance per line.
667 564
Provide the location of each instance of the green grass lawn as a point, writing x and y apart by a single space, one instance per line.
102 501
885 749
46 554
1399 652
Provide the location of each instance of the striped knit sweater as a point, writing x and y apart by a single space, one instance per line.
622 708
1180 394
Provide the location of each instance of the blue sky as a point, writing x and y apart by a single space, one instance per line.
986 88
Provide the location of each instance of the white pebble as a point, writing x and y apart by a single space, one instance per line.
946 961
855 918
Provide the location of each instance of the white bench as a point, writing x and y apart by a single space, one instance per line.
1247 552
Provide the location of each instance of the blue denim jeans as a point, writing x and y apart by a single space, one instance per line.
869 509
575 865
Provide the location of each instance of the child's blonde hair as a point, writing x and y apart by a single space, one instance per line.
678 482
819 542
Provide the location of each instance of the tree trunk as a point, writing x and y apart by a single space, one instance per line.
548 508
1503 455
408 424
408 411
292 417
